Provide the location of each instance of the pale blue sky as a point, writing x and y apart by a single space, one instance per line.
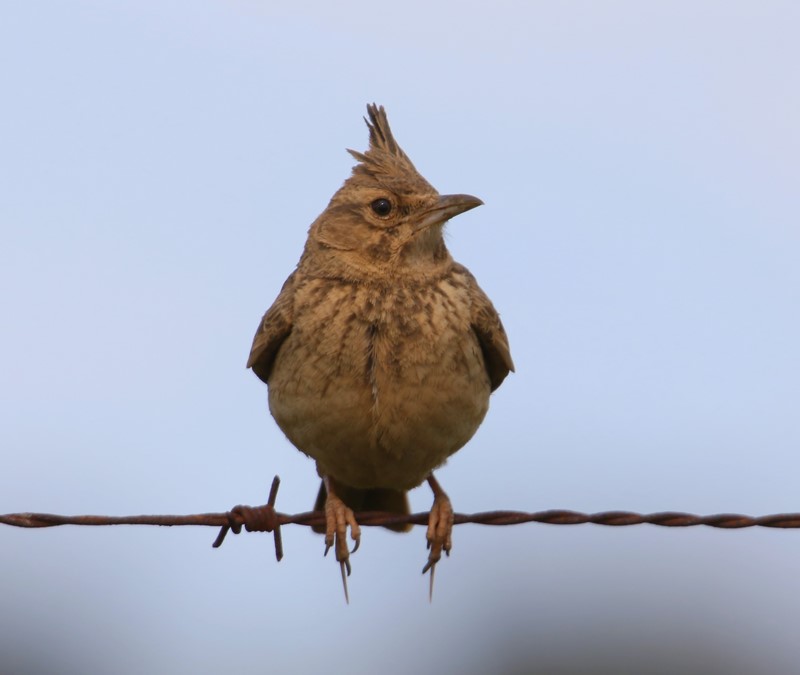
160 164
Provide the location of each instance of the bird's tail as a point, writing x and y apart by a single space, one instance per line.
369 499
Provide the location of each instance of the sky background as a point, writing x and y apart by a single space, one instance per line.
160 163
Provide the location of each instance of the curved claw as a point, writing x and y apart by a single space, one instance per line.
345 565
430 565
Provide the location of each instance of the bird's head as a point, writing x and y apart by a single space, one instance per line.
386 219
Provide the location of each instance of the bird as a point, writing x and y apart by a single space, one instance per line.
380 351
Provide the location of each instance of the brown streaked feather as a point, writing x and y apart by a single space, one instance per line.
274 328
489 329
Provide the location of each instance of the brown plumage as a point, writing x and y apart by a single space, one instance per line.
380 351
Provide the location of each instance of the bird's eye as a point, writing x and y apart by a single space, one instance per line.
381 207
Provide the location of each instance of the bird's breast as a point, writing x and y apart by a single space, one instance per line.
380 384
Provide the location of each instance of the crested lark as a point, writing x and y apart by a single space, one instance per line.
380 351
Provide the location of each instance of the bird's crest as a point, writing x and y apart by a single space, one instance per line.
384 158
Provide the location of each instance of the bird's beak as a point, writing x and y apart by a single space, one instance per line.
447 207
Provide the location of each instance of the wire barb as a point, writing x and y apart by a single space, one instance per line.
255 519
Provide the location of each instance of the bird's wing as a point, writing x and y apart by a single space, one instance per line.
273 330
491 334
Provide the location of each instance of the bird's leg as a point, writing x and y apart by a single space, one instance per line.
337 517
440 527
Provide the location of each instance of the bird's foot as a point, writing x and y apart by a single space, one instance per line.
440 528
338 516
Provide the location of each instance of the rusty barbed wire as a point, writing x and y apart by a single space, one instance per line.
266 519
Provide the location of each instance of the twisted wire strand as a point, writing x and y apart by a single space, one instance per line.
266 519
379 518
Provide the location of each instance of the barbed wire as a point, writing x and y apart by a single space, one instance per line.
266 519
